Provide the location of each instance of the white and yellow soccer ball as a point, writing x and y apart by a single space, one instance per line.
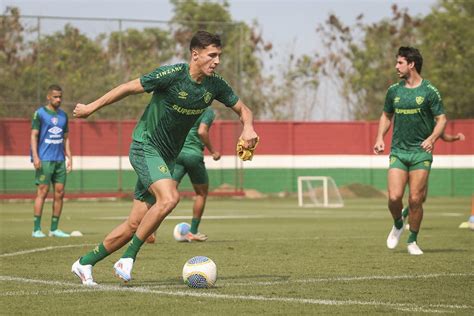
180 231
200 272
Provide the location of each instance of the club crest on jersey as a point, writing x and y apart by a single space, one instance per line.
163 168
419 100
54 120
182 95
207 97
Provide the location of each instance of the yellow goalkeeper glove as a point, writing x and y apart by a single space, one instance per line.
245 153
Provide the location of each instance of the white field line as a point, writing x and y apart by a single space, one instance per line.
199 294
24 252
330 280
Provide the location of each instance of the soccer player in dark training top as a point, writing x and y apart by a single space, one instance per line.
181 93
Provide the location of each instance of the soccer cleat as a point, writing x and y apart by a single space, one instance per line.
151 239
413 249
58 233
123 269
394 237
83 272
195 237
38 234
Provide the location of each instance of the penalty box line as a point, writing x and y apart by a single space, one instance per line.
111 288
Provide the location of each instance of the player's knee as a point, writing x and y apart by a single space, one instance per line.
59 193
394 197
169 202
43 192
415 200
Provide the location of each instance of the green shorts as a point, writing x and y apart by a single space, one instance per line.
411 161
51 172
150 167
194 166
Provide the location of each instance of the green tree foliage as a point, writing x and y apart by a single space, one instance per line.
448 51
240 63
360 60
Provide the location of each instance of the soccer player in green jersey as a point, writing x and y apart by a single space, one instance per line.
417 111
181 93
191 161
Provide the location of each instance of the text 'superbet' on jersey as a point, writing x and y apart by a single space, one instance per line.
52 125
414 111
176 104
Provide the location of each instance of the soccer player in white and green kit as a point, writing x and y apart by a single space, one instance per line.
181 93
417 111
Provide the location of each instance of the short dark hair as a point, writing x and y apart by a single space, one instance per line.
54 87
411 54
202 39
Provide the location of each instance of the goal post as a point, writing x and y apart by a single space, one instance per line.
318 191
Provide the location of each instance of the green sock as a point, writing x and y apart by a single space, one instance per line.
54 223
37 223
398 223
412 236
133 248
405 212
97 254
194 225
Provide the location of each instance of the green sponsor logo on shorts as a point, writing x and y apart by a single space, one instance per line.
427 163
392 160
163 168
42 177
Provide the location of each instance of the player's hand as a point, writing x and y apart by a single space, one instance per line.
379 147
460 136
249 137
68 166
82 111
216 155
37 163
427 145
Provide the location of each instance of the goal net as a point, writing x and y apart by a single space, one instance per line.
318 192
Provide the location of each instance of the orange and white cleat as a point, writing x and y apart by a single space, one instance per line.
151 239
195 237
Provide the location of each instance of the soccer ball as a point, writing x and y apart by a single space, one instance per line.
180 231
200 272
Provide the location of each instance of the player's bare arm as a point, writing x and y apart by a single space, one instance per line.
114 95
203 132
67 151
34 148
384 125
246 118
452 138
428 144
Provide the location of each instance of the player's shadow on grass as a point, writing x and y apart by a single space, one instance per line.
445 250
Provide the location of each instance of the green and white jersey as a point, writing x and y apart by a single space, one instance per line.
414 111
176 104
193 144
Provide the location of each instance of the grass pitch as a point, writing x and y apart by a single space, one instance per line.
272 257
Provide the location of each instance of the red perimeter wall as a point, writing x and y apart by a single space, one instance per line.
112 138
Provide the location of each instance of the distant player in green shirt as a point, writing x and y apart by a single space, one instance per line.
417 111
191 161
181 93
